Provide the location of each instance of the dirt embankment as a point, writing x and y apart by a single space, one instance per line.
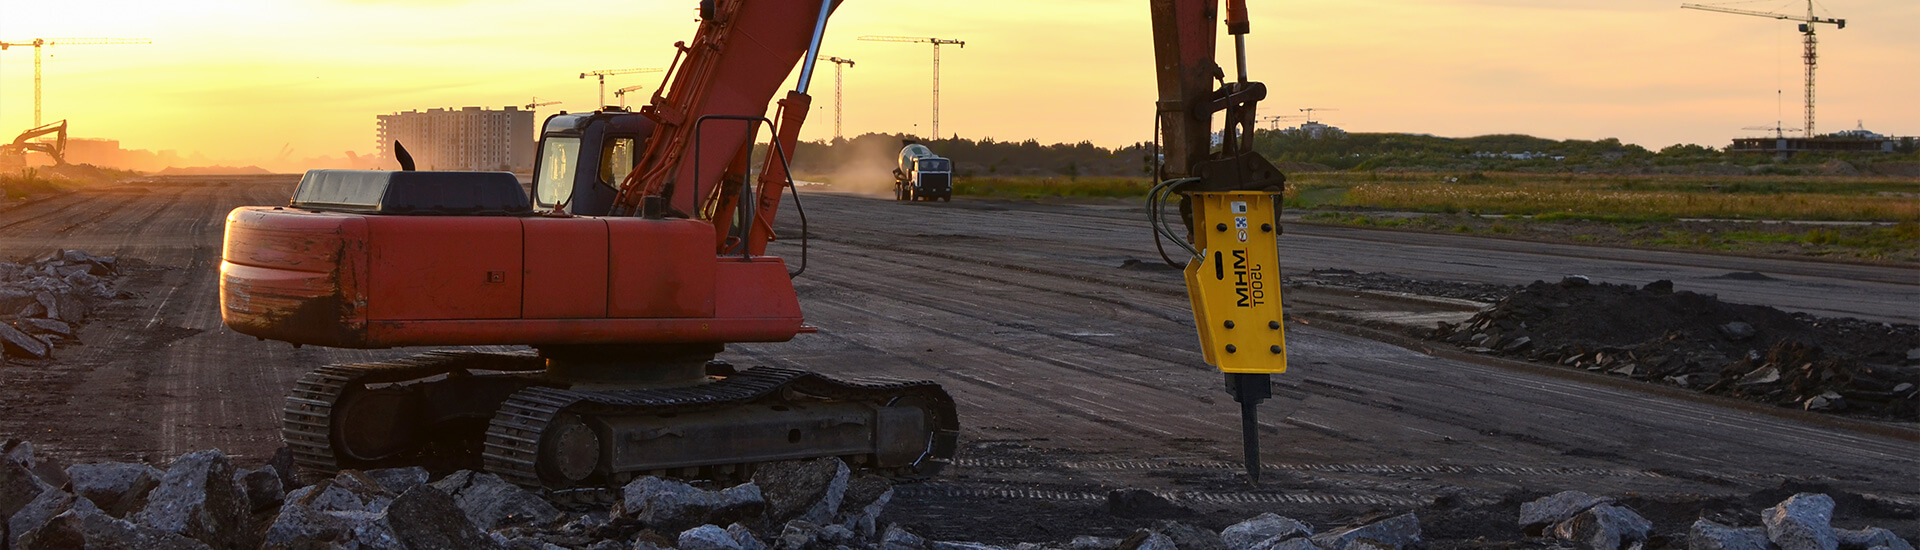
1696 341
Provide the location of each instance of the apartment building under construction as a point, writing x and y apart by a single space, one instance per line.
470 138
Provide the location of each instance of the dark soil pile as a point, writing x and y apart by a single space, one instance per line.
1696 341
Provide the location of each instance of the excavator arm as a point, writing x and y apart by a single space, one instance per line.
710 110
1228 201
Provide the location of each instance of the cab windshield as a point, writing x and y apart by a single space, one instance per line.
558 162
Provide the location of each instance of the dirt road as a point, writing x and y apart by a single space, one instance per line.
1074 375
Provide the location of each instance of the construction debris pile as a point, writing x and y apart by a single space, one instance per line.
204 501
1695 341
1573 519
42 302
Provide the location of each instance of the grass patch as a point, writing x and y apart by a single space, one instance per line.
1038 187
1615 198
26 183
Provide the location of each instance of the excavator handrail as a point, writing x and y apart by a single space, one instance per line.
745 207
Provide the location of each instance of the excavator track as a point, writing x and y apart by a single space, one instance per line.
530 418
497 412
308 422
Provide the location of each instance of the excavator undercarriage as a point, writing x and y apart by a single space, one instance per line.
512 416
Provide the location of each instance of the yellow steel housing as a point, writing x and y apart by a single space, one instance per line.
1235 284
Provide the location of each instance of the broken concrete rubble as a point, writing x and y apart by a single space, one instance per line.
808 490
1540 515
1265 529
1708 535
42 301
361 510
1604 527
675 506
1398 532
1802 522
492 503
261 488
85 526
197 499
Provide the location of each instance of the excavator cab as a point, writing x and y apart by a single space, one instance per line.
584 157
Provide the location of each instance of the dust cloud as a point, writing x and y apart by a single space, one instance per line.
863 166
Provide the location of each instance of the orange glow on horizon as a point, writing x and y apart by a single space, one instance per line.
240 82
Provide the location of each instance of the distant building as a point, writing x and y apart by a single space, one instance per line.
97 152
471 138
1858 140
1315 130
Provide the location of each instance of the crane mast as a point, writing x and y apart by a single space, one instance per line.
38 43
1810 53
936 42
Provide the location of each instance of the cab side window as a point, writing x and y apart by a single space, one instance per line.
616 161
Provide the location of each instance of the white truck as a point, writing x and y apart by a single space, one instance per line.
922 175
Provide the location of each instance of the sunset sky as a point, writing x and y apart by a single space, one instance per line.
238 80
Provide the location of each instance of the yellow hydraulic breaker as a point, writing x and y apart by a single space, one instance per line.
1234 286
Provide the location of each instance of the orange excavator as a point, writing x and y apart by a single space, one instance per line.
638 254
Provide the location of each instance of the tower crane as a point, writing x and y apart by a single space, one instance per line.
1275 120
536 103
1309 111
838 62
611 72
937 42
1810 55
622 94
38 43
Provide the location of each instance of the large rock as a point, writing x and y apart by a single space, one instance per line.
47 326
1802 522
261 488
1707 535
707 537
797 535
116 487
492 503
36 513
674 506
1264 527
808 490
1604 527
399 480
1540 515
1399 532
744 537
86 526
1870 538
867 497
425 517
282 463
197 499
1188 537
21 344
332 513
899 538
19 485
